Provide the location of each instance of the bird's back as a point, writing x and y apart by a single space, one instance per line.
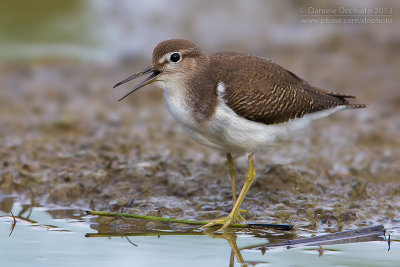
262 91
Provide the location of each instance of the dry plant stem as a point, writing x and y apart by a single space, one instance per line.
154 218
162 219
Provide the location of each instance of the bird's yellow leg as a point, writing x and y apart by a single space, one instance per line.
234 215
232 173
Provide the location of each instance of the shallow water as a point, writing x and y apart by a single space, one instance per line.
65 237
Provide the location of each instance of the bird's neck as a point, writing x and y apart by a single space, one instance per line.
196 94
202 95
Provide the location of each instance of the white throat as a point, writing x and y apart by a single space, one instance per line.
176 101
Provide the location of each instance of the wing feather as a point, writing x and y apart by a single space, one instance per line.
262 91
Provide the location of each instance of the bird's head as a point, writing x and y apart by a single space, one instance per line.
174 61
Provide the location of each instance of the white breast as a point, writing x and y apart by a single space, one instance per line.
176 103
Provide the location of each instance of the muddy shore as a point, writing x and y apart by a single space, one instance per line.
66 141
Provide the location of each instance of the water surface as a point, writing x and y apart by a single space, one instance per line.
59 237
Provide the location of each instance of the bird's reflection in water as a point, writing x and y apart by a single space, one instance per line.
231 237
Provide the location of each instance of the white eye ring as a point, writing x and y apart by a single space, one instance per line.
174 57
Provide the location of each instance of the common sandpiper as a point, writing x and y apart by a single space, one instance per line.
236 103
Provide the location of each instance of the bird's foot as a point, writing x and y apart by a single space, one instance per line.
233 217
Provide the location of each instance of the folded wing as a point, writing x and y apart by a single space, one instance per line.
262 91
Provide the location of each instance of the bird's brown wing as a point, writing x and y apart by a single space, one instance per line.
262 91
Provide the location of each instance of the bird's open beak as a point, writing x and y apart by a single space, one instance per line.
153 75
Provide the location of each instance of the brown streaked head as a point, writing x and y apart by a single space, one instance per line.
173 60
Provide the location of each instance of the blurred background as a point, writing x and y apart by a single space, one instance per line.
64 136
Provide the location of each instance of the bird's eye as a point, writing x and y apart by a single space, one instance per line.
175 57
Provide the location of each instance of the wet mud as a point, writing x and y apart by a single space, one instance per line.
66 141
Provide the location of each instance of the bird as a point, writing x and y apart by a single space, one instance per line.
236 103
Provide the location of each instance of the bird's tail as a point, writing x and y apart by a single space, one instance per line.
351 106
345 97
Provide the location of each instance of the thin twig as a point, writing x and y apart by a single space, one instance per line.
14 223
371 233
162 219
113 234
130 241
